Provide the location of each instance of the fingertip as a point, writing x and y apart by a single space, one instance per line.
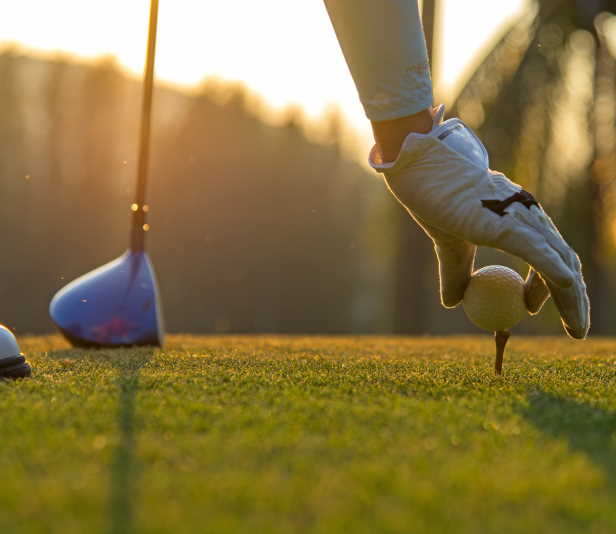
579 333
450 304
451 299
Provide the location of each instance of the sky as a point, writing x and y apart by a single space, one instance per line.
284 50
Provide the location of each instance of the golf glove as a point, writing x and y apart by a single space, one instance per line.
443 180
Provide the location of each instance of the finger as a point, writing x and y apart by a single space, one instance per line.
536 292
542 223
574 308
528 244
572 301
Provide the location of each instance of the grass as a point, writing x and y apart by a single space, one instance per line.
319 435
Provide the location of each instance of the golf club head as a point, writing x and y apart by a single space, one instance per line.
116 305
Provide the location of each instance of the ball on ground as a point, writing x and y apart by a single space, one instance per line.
494 298
12 362
8 343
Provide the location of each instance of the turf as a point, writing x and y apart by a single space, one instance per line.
319 435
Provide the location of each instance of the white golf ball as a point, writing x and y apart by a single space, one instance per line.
8 343
494 298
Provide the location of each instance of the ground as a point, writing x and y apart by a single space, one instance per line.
311 434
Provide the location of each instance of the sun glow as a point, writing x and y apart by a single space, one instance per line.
285 51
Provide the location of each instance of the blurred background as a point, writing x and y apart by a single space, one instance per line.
264 215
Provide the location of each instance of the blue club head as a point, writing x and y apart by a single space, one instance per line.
116 305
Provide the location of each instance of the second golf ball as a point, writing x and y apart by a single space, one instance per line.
494 298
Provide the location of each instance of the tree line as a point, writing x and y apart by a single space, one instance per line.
254 227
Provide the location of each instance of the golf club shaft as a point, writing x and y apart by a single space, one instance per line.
139 207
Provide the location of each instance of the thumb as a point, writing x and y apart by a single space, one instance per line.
456 259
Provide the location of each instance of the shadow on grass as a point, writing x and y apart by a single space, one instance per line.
127 363
123 487
586 428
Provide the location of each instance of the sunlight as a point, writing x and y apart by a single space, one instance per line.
286 51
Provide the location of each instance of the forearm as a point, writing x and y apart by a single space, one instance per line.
384 46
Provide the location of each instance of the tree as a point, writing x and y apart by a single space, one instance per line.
543 101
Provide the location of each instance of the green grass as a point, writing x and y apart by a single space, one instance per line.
319 435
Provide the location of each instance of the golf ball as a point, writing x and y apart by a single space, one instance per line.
8 343
494 298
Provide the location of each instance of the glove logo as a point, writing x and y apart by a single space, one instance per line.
499 206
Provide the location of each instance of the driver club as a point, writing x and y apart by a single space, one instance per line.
118 304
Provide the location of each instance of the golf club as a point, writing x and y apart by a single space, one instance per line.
118 304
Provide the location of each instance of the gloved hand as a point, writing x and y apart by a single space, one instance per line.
443 180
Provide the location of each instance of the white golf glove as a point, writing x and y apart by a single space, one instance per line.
443 180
